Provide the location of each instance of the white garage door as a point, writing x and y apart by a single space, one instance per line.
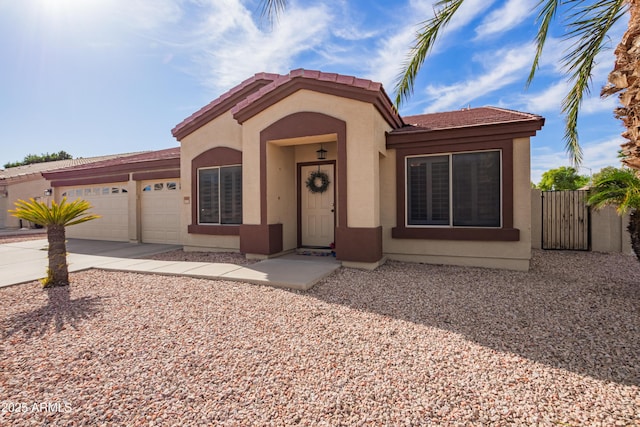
160 206
108 201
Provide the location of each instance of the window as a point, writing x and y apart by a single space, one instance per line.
459 190
220 195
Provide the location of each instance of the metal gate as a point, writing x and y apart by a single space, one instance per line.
565 220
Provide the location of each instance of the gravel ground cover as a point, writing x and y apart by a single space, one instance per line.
406 344
22 237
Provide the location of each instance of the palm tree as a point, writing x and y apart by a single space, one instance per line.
587 22
621 188
55 218
624 79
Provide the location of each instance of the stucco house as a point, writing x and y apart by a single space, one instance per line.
316 160
313 159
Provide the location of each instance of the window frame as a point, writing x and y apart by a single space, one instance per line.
450 156
421 145
219 223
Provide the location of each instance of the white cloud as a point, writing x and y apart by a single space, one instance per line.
230 47
596 155
469 10
549 100
511 14
147 15
502 68
392 54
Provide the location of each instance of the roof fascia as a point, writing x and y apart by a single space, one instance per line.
114 169
378 99
464 134
205 115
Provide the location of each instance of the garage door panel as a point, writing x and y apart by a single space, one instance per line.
111 203
160 206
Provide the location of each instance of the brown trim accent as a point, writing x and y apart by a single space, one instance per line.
505 233
89 181
205 115
359 244
299 192
218 156
142 176
307 124
214 229
144 166
377 98
261 239
484 234
469 134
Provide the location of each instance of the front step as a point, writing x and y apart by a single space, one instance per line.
314 251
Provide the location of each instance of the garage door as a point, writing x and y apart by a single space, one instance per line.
160 206
111 203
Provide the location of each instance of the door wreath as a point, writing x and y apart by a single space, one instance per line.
318 182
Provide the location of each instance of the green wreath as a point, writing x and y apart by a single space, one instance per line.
318 187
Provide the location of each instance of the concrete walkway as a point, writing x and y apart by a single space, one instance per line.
27 261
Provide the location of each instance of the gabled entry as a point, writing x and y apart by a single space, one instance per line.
316 205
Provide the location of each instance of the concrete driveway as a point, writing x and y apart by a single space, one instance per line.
26 261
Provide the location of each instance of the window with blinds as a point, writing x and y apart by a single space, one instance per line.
220 195
459 190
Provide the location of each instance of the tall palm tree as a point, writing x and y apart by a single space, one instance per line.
620 188
624 80
587 22
56 218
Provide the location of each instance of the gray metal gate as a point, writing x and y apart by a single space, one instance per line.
565 220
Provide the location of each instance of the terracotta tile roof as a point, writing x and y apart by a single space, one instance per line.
222 104
308 74
467 117
137 158
331 83
38 168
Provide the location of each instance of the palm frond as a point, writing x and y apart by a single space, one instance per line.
271 9
588 25
545 17
425 40
619 187
62 213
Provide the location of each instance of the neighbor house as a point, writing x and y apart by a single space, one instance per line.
317 160
26 182
137 197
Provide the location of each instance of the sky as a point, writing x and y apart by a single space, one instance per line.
97 77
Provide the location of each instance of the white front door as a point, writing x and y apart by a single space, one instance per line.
317 209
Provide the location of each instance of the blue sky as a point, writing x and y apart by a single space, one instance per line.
95 77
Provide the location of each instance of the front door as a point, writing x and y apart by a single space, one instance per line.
317 208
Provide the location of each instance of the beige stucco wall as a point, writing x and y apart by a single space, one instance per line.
365 139
23 188
536 218
609 231
223 131
508 255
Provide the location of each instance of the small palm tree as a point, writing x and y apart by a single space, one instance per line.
55 218
621 188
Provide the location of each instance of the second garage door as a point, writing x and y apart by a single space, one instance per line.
108 201
160 206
